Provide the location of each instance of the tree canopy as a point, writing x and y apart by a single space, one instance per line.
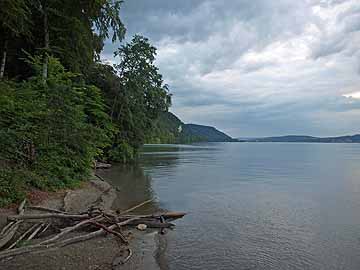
61 108
75 30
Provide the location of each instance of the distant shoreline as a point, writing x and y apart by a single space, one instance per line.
305 139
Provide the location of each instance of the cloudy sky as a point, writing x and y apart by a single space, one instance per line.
257 67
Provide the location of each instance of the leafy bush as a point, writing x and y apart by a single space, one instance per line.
123 153
12 186
53 130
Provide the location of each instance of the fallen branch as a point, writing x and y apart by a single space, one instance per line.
129 256
100 165
36 231
135 207
110 231
120 261
9 234
6 228
66 242
45 216
45 209
45 228
166 215
162 220
22 236
9 231
69 229
106 222
21 208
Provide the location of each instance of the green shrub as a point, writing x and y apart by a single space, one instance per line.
12 186
53 131
123 153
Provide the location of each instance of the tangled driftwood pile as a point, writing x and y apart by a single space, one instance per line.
52 229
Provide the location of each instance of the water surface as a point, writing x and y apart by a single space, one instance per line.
253 205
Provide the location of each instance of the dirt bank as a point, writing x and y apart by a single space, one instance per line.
98 253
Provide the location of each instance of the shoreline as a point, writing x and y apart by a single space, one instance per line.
98 253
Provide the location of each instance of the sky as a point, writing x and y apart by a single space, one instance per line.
256 67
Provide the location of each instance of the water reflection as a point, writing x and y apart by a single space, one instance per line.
251 206
161 251
133 186
260 206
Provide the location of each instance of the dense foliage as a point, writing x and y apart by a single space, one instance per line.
170 129
60 107
135 95
72 30
52 132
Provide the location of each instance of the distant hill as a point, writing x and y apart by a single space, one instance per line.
211 134
170 129
297 138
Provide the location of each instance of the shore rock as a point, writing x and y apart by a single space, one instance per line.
141 227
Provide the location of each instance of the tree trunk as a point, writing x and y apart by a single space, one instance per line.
3 61
46 45
113 108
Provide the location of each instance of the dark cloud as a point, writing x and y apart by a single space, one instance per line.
197 19
257 67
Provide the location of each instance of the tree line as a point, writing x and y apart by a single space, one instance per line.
61 108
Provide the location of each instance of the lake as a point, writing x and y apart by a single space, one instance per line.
252 205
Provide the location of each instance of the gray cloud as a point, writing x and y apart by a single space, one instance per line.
257 67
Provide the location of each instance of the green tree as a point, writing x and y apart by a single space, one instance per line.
14 22
135 95
143 94
79 29
72 30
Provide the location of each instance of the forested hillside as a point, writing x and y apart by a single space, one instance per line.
170 129
61 108
210 134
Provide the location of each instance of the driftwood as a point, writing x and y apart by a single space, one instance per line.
45 216
23 236
8 232
41 247
101 165
36 231
47 226
128 257
167 215
45 209
120 261
21 208
118 234
6 228
136 207
68 230
63 223
162 220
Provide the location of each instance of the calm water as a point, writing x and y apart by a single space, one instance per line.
253 205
